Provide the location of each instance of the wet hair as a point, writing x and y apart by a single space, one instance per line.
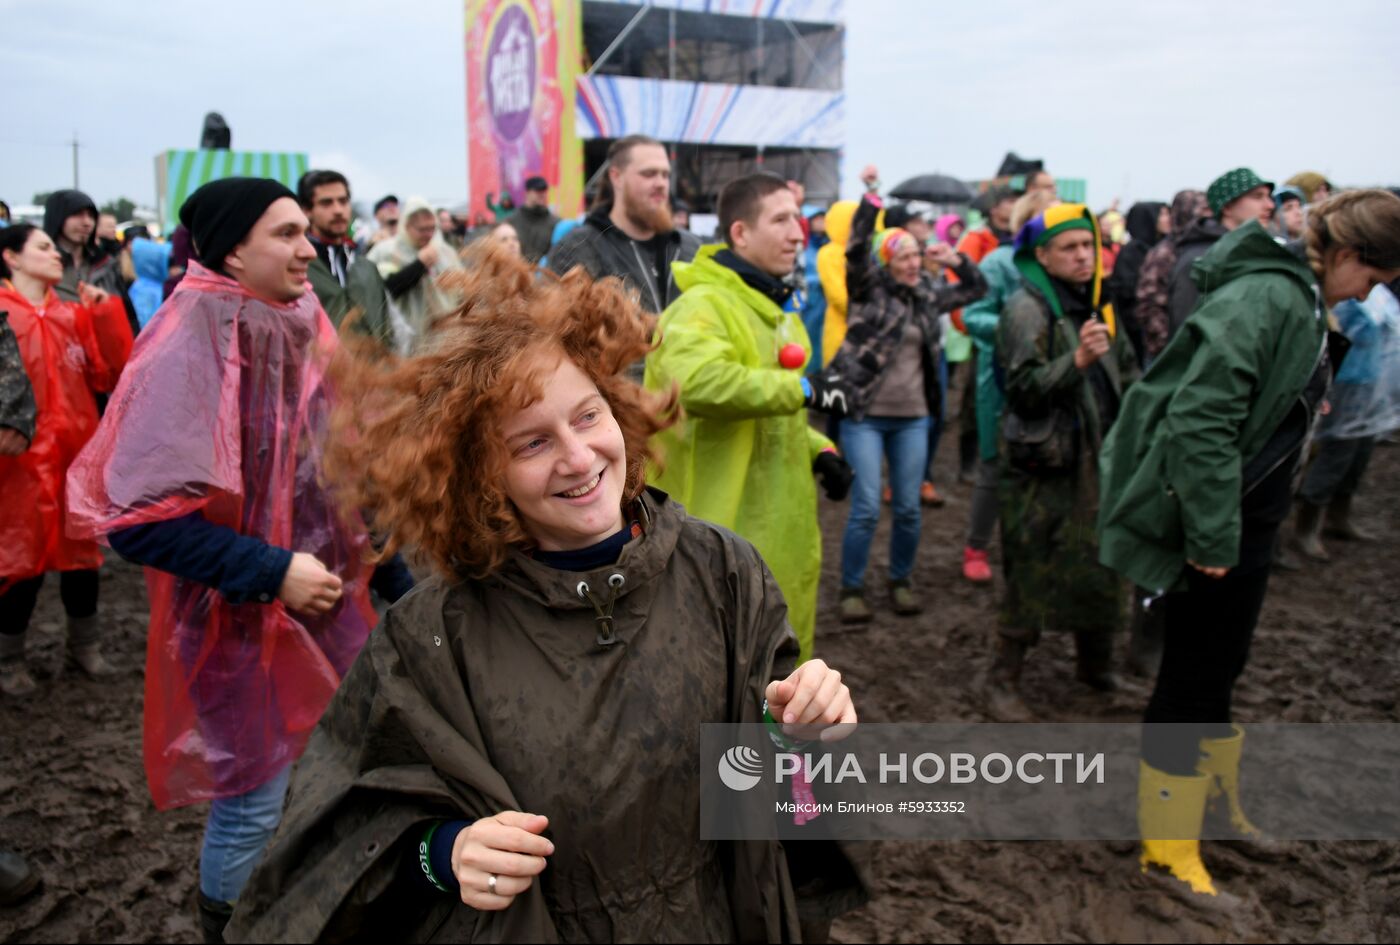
620 151
13 238
306 186
619 156
418 448
742 197
1367 221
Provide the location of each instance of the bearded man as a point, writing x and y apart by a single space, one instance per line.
629 232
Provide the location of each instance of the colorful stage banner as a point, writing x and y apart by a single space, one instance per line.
522 62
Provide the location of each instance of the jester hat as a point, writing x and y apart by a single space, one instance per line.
1039 231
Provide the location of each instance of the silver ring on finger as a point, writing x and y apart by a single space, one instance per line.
491 882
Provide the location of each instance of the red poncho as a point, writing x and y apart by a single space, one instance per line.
222 410
70 351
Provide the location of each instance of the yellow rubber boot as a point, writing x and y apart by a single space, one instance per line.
1220 762
1170 811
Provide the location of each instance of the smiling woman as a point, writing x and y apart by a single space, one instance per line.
496 375
513 757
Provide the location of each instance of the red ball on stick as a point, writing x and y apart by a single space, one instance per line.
792 356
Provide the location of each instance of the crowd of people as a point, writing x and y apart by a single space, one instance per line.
601 440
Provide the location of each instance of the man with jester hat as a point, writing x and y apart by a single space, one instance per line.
1064 367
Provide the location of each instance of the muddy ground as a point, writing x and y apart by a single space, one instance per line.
73 796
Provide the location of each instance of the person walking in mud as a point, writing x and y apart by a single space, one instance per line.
70 352
1197 478
1065 369
17 878
746 457
890 357
207 469
512 758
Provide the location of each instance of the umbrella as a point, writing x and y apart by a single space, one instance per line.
933 188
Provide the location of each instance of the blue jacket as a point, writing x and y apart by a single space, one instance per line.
151 260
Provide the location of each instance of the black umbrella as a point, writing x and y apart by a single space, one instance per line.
933 188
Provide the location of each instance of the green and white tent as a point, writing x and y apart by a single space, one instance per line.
180 173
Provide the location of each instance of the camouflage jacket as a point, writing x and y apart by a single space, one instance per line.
16 394
1036 353
1153 288
1155 277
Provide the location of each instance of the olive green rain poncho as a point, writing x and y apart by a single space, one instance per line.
482 696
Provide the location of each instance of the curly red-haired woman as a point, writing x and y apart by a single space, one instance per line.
522 731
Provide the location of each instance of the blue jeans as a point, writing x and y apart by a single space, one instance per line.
936 424
904 441
236 835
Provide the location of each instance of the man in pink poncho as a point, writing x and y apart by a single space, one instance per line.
206 469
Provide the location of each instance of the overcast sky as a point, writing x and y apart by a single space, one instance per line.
1140 98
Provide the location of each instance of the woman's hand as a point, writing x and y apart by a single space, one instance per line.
307 587
943 255
813 697
12 442
1209 572
90 295
507 846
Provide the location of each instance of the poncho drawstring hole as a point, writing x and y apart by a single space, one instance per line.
607 631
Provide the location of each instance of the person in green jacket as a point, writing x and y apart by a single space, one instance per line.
980 318
342 277
1197 476
734 346
1064 368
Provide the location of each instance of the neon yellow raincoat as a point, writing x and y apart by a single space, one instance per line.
743 456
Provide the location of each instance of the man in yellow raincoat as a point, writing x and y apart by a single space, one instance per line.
745 456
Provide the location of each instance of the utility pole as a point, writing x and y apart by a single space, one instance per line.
75 160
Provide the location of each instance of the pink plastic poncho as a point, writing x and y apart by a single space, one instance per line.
222 410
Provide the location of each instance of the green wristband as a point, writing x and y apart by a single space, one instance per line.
424 859
775 731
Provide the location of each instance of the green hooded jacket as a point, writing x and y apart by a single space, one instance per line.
742 458
1003 279
1171 468
365 294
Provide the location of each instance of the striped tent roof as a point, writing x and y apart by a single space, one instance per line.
180 173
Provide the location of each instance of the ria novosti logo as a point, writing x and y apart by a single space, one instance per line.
740 768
